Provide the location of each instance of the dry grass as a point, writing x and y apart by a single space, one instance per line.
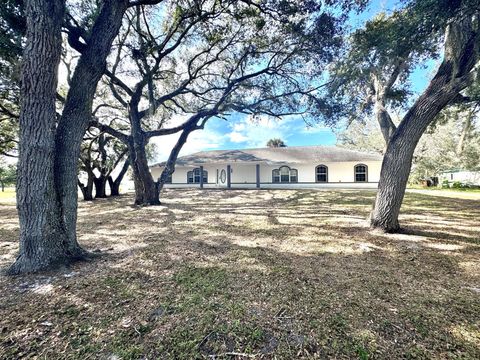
269 274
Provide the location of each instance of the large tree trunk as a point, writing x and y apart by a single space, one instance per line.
396 165
78 109
453 75
115 184
42 237
100 187
87 190
146 192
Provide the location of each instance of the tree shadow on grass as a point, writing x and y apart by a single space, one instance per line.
174 299
202 277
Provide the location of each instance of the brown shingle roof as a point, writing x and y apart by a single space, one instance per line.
291 154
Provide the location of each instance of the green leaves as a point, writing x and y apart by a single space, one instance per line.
378 59
8 174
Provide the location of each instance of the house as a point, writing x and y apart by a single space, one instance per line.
462 176
283 167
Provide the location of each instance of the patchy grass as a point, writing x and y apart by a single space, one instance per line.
7 196
463 193
264 274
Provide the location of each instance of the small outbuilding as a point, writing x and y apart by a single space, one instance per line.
462 176
282 167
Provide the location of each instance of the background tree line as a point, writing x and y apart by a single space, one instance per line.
452 141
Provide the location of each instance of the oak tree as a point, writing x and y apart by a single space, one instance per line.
374 77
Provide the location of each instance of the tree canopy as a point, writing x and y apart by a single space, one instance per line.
372 76
12 31
275 143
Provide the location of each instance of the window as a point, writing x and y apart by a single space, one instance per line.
284 175
193 177
321 173
361 173
275 176
293 175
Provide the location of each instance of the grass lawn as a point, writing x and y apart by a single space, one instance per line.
8 195
265 274
473 194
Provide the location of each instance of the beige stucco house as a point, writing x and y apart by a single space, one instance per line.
287 167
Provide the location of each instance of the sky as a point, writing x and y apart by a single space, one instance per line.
240 132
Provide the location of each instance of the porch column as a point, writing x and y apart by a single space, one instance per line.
201 177
257 171
229 179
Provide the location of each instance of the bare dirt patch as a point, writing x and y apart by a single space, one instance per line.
266 274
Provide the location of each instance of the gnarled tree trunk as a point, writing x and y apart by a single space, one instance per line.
100 187
115 184
146 190
455 74
78 108
41 232
87 189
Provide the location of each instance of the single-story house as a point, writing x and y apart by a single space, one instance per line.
282 167
462 176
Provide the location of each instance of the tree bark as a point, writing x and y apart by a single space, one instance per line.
146 192
387 127
42 236
78 108
172 159
115 184
454 74
87 190
100 187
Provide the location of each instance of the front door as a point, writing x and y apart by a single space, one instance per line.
221 177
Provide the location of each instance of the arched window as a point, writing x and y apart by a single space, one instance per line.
321 173
361 173
284 175
193 177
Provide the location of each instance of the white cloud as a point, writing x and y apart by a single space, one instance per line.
255 132
237 137
239 126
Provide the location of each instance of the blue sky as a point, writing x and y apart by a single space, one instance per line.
240 132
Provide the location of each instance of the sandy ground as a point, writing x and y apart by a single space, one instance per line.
252 274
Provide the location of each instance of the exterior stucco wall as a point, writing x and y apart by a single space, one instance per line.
244 175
